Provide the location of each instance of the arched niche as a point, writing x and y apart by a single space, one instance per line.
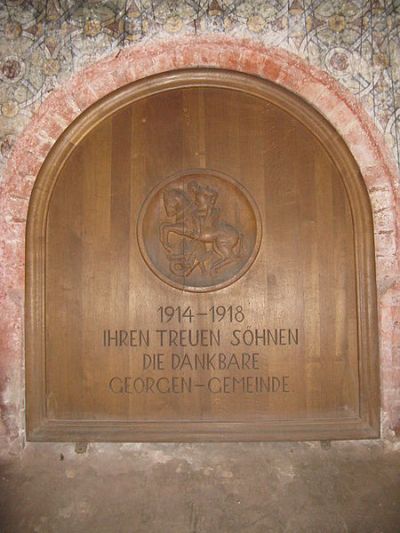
271 269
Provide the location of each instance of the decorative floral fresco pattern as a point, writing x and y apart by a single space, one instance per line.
43 42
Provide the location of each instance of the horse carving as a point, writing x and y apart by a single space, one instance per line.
196 218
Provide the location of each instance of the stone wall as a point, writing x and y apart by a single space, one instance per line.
59 57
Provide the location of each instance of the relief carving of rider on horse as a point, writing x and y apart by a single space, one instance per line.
197 218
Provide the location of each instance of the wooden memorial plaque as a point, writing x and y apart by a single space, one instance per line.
201 267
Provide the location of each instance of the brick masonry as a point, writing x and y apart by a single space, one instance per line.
65 103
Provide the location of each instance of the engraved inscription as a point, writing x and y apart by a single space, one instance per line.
194 360
199 231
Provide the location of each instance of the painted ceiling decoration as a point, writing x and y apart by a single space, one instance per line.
43 43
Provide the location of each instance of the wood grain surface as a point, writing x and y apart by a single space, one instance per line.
270 331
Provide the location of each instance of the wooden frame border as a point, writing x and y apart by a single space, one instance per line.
41 428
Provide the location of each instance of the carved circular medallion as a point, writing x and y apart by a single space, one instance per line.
199 231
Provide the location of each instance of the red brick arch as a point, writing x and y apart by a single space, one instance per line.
86 87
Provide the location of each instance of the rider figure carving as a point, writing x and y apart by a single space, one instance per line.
205 241
206 214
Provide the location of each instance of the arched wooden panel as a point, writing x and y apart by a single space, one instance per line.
201 267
